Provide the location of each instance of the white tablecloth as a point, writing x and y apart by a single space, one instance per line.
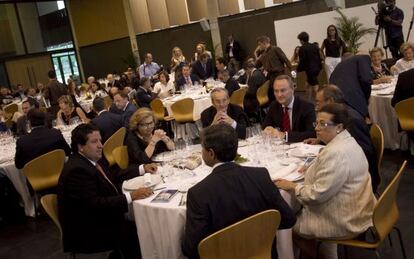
383 114
161 225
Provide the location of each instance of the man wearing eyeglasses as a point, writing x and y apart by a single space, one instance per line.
289 117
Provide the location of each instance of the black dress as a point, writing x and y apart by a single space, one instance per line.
378 74
136 149
72 117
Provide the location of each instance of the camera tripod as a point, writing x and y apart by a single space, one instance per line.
411 26
380 32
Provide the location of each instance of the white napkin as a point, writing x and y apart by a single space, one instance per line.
147 179
282 172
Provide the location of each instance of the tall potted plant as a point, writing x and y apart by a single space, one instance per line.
351 31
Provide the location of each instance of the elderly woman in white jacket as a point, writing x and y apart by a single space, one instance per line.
336 195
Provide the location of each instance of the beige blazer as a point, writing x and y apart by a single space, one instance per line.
336 195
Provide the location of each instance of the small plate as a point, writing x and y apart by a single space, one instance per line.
138 182
300 153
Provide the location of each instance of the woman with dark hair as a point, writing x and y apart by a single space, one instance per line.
336 196
97 90
164 87
334 48
143 139
294 60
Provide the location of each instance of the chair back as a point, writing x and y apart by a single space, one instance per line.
183 110
116 140
11 109
108 101
50 205
43 172
405 114
248 238
386 211
120 155
237 97
157 109
377 138
262 93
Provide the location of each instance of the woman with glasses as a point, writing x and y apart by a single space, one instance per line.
143 140
336 196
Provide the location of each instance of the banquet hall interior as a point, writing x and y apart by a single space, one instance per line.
130 93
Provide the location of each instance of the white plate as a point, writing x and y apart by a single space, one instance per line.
301 153
138 182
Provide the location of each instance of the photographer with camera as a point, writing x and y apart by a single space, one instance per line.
390 17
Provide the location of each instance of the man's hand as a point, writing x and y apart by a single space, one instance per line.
150 168
141 193
270 131
285 184
226 119
216 119
387 18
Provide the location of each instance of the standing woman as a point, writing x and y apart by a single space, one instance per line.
176 59
334 48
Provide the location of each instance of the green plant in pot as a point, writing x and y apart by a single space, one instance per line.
352 31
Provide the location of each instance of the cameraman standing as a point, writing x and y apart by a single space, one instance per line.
392 18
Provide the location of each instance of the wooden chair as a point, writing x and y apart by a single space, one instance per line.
405 114
263 97
50 205
108 101
116 140
11 109
43 172
183 111
237 97
120 155
377 138
248 238
384 217
158 110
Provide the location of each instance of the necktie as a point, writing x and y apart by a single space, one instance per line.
285 119
204 67
188 80
104 175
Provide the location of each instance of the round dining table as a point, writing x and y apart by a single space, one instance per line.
160 226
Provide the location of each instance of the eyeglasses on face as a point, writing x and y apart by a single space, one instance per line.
146 125
323 125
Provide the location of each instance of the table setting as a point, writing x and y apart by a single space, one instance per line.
160 225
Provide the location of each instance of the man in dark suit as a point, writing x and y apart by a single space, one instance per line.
123 106
357 127
404 88
221 65
310 62
354 77
230 193
289 117
234 53
144 95
54 90
203 67
91 206
21 123
39 141
107 122
186 78
254 79
222 111
230 84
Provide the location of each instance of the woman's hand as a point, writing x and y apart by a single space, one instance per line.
158 135
285 184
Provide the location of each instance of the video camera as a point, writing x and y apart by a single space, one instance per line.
385 8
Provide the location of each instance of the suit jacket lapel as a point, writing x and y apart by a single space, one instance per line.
295 113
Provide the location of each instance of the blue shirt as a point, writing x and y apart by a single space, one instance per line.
148 70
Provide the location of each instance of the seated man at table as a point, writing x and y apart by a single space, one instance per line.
203 67
39 141
230 193
222 111
230 84
289 117
123 106
20 122
404 88
5 96
186 78
107 122
91 206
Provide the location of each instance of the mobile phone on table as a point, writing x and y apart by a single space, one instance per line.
308 160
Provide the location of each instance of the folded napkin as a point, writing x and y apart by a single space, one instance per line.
282 172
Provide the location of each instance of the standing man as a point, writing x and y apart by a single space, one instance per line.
222 111
391 17
230 193
148 68
273 60
234 53
289 117
310 62
54 90
354 77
